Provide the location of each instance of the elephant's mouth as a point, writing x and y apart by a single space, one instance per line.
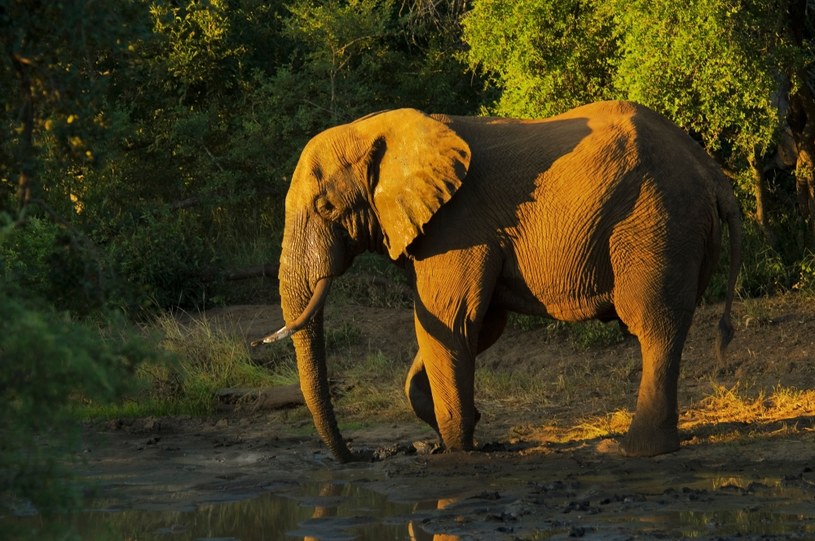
314 305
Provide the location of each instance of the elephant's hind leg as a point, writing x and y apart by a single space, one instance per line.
661 331
417 390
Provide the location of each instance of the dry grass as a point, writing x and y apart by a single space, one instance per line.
751 410
725 414
371 390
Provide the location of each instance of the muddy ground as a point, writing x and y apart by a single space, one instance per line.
540 473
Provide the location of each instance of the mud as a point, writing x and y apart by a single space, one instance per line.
237 482
260 474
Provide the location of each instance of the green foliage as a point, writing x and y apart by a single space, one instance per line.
41 260
595 334
161 261
339 43
50 363
582 334
374 281
547 56
711 66
806 276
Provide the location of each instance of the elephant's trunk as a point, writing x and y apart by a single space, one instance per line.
309 345
302 305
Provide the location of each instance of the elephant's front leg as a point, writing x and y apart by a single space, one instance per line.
417 384
450 377
420 398
454 289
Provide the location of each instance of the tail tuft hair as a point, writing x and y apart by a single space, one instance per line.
723 337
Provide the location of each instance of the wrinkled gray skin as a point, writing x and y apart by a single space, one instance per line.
608 212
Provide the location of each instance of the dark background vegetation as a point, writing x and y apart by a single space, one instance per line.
146 146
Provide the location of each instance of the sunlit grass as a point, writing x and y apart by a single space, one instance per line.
516 389
753 413
204 358
737 405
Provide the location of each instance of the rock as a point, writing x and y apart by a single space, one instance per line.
270 398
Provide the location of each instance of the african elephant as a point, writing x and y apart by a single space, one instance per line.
608 211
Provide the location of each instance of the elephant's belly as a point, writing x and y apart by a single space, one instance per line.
564 307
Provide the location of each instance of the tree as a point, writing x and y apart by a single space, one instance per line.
54 70
800 26
546 56
736 74
713 67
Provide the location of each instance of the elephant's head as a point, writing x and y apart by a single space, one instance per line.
372 184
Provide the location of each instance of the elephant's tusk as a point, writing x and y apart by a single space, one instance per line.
284 332
314 305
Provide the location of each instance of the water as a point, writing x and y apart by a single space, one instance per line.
701 506
326 511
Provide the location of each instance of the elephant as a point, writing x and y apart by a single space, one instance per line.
608 211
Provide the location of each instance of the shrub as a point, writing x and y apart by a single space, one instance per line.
49 364
161 261
40 259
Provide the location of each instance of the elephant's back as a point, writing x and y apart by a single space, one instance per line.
557 190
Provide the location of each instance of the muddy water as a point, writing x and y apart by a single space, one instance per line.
705 505
327 511
246 483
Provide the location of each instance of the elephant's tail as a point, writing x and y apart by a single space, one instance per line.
729 211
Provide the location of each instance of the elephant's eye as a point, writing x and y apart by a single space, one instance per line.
325 208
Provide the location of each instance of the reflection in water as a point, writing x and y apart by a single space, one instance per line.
328 490
415 530
318 511
710 504
333 492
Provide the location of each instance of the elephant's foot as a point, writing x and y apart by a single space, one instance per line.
457 436
459 446
647 441
420 397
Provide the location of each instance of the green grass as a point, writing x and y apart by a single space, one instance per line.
203 358
373 280
582 334
756 312
129 408
521 390
595 334
373 388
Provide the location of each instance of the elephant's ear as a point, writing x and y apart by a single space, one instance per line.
419 166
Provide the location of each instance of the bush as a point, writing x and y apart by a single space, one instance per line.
51 363
40 259
161 261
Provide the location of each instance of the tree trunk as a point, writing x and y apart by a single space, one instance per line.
760 192
25 151
802 123
801 119
805 184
